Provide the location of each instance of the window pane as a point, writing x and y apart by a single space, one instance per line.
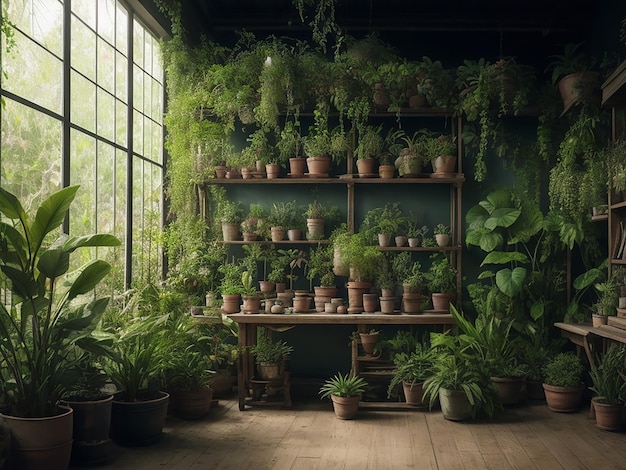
137 88
30 161
121 63
42 20
106 20
106 115
83 49
138 43
138 133
83 172
157 101
120 122
83 102
106 66
121 30
86 11
34 74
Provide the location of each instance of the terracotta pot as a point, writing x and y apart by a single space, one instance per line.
325 291
370 302
297 166
381 97
413 393
401 240
598 320
251 304
281 287
231 303
387 304
563 399
345 407
454 405
278 234
508 389
441 301
286 298
41 443
302 303
608 417
384 239
368 342
576 87
417 101
412 302
318 166
386 171
414 242
230 231
365 166
356 290
266 286
222 382
220 171
272 170
249 236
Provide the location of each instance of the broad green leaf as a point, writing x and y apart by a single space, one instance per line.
473 237
511 282
587 278
537 309
504 257
54 263
10 206
504 217
485 274
17 242
50 214
490 241
476 217
22 283
100 239
497 199
90 275
528 224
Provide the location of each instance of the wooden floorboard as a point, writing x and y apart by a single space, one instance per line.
309 437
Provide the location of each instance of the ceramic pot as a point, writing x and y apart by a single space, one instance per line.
138 423
608 417
454 405
297 166
231 303
563 399
345 407
508 389
413 393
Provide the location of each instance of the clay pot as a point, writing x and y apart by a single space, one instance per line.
563 399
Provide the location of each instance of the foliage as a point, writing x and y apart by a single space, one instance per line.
608 375
290 141
413 367
441 229
280 263
231 278
321 265
458 367
441 275
362 259
267 351
387 220
574 59
370 143
283 214
440 145
615 154
46 313
564 370
343 386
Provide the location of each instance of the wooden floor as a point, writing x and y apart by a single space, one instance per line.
308 436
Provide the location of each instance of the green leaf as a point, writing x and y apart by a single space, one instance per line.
496 200
486 275
50 214
54 263
490 241
99 239
504 257
10 206
527 225
537 309
511 282
504 217
90 275
587 278
476 217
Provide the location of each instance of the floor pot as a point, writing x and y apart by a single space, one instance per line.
40 443
413 393
192 404
346 407
608 417
138 423
222 383
563 399
92 424
508 389
231 303
454 405
441 301
369 342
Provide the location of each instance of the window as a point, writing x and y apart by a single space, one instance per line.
90 115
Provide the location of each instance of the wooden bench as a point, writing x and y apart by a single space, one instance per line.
594 340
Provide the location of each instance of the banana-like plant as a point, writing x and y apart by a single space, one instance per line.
46 315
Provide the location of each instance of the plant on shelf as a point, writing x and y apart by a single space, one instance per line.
437 83
441 275
283 214
386 221
362 260
321 265
616 166
370 143
345 391
254 222
442 234
411 157
392 144
290 141
279 265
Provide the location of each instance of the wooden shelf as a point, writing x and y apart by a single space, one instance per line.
614 87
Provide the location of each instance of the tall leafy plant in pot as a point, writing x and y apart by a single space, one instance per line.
45 317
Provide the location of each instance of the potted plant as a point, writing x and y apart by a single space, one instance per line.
411 370
137 334
442 234
391 147
270 356
230 287
607 301
320 267
253 225
317 215
609 385
230 215
381 223
414 232
280 218
370 146
459 380
442 282
187 368
345 391
45 319
411 159
441 150
562 382
290 147
369 340
251 299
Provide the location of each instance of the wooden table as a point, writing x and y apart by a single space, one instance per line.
593 340
248 324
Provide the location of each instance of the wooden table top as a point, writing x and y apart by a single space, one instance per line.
344 319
